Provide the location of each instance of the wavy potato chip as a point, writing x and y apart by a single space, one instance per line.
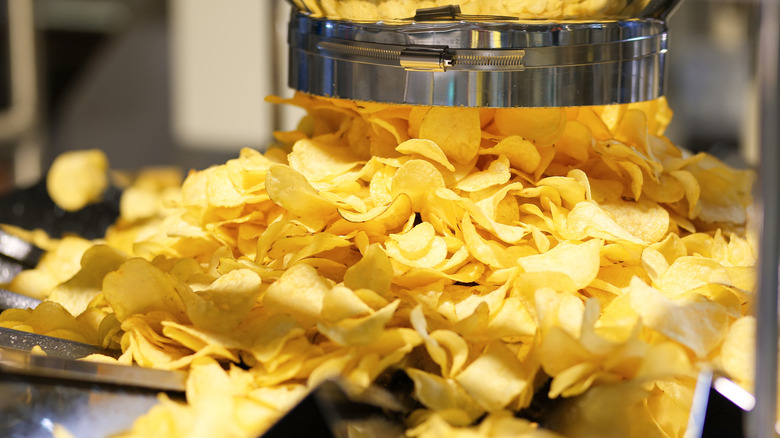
427 149
416 179
542 126
679 319
508 377
457 131
223 304
293 192
77 178
76 293
578 262
522 154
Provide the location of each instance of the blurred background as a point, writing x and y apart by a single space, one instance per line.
182 82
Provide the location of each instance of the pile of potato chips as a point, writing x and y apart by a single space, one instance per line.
484 252
376 10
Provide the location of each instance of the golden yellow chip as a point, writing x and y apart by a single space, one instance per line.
457 131
578 262
77 178
427 149
76 293
508 378
522 154
416 179
292 191
122 285
543 126
680 319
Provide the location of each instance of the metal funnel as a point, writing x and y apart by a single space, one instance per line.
443 57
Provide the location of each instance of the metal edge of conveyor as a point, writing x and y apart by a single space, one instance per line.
761 420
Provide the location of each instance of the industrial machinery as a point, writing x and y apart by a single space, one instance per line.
443 57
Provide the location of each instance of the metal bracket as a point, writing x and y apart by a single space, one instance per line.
452 13
425 58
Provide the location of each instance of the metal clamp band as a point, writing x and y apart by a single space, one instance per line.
425 59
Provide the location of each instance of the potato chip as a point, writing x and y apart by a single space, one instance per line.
292 191
374 271
542 126
522 154
445 396
247 172
416 179
77 178
508 377
427 149
361 330
589 219
76 293
298 292
223 304
679 319
121 288
320 162
457 131
644 220
578 262
689 273
496 174
737 357
576 141
50 319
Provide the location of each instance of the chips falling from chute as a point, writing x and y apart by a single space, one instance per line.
482 252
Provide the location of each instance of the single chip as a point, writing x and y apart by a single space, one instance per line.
374 271
680 319
738 354
543 126
522 154
427 149
76 293
292 191
417 241
77 178
508 378
416 179
644 220
320 162
223 304
496 174
445 396
578 262
121 287
689 273
360 330
576 141
457 131
299 292
341 303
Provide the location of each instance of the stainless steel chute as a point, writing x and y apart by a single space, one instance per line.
442 57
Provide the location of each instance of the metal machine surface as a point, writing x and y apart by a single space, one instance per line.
443 57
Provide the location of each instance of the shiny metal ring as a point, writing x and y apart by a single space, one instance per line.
479 64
